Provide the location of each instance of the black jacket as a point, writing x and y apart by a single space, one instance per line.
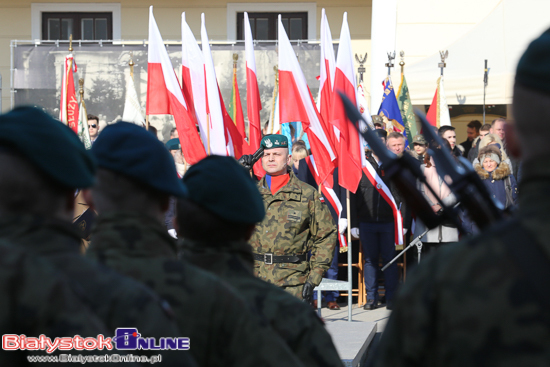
368 205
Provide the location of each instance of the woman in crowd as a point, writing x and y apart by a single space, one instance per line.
497 175
446 232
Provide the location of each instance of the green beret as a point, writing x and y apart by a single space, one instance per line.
274 141
49 145
533 69
419 139
134 152
173 144
223 187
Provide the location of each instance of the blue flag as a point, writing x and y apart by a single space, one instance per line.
390 109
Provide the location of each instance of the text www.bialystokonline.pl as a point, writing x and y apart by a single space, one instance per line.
106 358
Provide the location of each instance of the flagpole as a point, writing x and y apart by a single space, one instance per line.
485 80
275 91
208 133
131 64
348 210
81 91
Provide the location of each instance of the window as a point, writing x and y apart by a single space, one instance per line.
83 26
264 25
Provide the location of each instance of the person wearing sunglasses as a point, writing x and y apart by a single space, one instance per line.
93 127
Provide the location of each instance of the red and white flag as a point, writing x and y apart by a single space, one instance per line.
438 113
165 97
253 102
192 75
351 155
326 81
68 108
215 120
296 104
330 195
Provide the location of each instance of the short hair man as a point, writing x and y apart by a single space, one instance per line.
396 143
93 127
299 152
215 235
448 133
42 162
473 153
374 221
497 127
174 133
131 197
297 222
484 301
472 131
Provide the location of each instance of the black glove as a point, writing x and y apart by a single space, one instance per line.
246 161
307 292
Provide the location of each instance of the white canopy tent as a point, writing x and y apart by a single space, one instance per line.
500 38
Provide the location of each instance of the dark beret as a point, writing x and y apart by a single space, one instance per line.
222 186
173 144
533 71
274 141
134 152
49 145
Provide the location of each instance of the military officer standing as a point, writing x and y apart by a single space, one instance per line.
297 223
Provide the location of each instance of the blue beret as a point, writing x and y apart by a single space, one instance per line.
173 144
131 150
533 69
274 141
222 186
49 145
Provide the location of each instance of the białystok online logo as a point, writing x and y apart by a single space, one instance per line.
124 339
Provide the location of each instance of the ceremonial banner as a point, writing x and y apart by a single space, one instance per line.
351 152
193 82
132 107
68 109
326 81
438 113
406 108
83 132
390 109
253 102
216 136
363 106
385 192
165 97
296 104
235 107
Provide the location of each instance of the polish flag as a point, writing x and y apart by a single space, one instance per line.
68 109
165 97
438 113
253 102
351 154
296 104
215 121
193 82
326 81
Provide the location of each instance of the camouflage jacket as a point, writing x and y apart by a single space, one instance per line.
470 304
36 300
291 318
296 222
118 301
222 330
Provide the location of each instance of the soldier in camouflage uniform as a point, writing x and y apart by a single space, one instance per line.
35 301
484 302
297 222
42 162
131 197
215 239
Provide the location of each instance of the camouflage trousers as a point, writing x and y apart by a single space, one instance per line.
295 290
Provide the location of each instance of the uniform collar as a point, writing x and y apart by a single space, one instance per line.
292 186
